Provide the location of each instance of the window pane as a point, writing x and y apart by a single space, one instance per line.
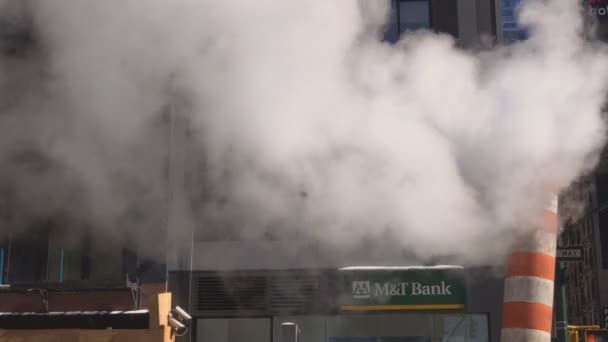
406 15
398 327
28 257
105 259
413 15
512 31
65 256
381 325
391 31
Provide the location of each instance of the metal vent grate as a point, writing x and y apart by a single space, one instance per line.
293 292
257 292
232 293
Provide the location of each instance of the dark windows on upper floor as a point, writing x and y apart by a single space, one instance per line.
410 15
51 255
405 16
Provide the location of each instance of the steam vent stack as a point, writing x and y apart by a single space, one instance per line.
528 298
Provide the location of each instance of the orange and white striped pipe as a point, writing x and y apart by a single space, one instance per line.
528 297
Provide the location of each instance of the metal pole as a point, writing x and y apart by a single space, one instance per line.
561 311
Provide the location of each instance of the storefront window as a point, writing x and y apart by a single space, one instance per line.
397 327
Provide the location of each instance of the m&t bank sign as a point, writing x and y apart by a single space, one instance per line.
402 289
365 289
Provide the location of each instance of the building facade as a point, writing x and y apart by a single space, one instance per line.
241 289
49 262
585 221
586 225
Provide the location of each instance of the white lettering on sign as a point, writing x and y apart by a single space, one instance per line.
570 253
433 290
366 289
574 253
599 11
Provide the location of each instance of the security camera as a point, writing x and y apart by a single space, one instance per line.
182 315
175 324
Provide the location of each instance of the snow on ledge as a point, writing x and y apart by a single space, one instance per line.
400 268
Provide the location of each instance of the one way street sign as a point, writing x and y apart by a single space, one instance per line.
569 253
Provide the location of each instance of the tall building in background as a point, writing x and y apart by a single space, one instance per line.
583 210
469 21
265 289
585 216
511 30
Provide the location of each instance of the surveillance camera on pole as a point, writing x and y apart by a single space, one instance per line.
179 320
175 324
182 315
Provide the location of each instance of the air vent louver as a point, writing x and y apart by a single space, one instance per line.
256 292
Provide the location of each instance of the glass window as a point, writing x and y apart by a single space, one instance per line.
407 15
512 31
105 259
233 330
413 15
27 257
406 327
64 256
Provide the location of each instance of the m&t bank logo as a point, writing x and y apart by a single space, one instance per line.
361 289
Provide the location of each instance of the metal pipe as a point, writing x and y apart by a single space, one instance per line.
529 284
561 308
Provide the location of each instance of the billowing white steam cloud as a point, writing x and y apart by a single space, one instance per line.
306 121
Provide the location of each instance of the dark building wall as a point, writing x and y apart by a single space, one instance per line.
32 301
485 289
585 225
486 17
602 197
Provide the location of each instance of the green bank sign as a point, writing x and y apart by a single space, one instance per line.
383 289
